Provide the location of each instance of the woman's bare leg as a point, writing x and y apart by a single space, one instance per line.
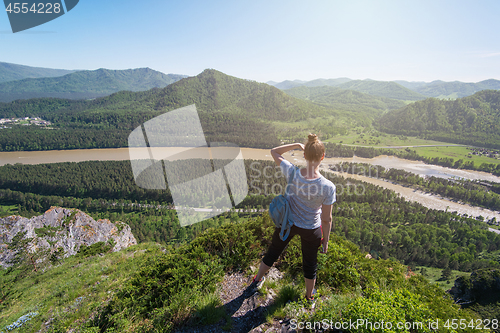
309 287
263 268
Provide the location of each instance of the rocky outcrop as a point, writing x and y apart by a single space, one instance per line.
62 228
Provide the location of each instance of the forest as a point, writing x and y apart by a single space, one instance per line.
472 120
378 220
366 218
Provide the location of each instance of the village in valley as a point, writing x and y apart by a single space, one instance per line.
492 153
26 121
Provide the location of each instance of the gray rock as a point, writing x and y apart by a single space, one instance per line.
62 227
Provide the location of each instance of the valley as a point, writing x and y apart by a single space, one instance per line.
82 163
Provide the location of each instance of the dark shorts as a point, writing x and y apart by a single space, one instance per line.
310 242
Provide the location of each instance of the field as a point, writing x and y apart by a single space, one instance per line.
360 137
434 276
455 152
375 139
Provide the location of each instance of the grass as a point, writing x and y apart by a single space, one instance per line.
434 276
324 126
362 137
455 152
71 290
210 310
8 210
286 293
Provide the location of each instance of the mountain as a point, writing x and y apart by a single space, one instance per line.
86 84
313 83
13 72
396 89
471 120
287 84
411 85
68 229
456 89
343 99
450 90
327 82
231 109
386 89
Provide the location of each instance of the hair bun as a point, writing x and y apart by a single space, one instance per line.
312 138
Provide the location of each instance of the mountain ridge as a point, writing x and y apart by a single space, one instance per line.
230 109
437 88
345 99
14 72
86 84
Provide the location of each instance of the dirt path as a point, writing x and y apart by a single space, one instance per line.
245 307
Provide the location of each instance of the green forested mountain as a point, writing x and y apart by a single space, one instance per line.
456 89
412 85
471 120
13 72
86 84
345 99
383 89
313 83
230 109
386 89
287 84
396 89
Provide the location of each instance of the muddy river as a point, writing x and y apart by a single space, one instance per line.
420 168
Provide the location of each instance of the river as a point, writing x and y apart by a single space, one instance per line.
420 168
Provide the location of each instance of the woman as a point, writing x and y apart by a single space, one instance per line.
311 197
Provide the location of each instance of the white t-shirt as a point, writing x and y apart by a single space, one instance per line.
306 197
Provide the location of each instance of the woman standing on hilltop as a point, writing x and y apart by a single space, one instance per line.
311 197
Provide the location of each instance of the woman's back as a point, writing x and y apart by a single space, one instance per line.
306 196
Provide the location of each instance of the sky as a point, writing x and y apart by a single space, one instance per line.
272 40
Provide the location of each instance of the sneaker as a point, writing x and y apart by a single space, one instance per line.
258 284
254 286
312 301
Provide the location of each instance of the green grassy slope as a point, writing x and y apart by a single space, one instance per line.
147 288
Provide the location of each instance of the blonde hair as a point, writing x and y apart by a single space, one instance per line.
314 149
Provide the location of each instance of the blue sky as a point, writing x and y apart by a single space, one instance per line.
270 40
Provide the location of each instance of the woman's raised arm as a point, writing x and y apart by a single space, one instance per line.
277 152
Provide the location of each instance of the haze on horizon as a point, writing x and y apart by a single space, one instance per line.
283 40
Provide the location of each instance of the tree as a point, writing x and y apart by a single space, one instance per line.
446 274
